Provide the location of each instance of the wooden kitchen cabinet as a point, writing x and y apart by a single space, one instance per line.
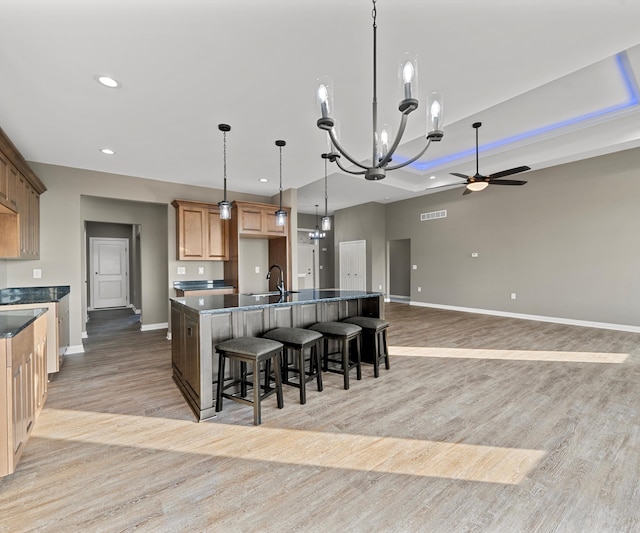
200 234
20 191
259 220
23 357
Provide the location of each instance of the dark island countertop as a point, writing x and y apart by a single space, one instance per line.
33 295
13 322
226 302
201 285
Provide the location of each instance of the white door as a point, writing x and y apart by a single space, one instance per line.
308 275
353 266
109 272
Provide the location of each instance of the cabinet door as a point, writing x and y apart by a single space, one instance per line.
192 355
4 186
250 220
270 224
191 233
177 342
217 236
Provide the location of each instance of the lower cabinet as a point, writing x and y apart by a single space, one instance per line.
25 359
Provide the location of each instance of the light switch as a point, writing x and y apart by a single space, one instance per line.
415 267
182 271
200 270
257 270
37 273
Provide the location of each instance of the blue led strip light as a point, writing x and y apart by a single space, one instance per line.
629 81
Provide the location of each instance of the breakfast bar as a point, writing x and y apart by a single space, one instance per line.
198 323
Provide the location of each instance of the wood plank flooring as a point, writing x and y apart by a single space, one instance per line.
482 424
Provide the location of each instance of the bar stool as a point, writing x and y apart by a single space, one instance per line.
345 334
252 350
374 331
298 340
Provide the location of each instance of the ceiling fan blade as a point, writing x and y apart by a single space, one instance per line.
509 172
463 176
467 191
508 182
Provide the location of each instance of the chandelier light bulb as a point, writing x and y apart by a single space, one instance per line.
323 96
407 77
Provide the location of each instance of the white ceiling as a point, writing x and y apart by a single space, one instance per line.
544 70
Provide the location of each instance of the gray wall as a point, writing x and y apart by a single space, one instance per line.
62 257
566 243
364 222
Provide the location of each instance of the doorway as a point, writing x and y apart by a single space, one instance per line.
308 266
353 265
399 270
109 268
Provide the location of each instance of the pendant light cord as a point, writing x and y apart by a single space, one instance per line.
224 152
280 177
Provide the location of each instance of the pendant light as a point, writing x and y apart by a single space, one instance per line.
316 234
281 214
326 219
224 206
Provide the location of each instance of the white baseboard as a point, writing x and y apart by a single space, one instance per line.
78 348
539 318
151 327
85 335
169 335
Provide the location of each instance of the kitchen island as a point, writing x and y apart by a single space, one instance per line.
198 323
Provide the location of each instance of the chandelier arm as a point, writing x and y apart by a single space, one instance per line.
396 142
395 167
335 142
358 173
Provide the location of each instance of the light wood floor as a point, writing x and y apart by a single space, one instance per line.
482 424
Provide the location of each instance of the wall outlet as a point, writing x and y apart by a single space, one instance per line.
182 271
200 270
379 287
257 270
419 289
513 295
474 254
37 273
415 267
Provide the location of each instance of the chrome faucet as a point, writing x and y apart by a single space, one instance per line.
280 283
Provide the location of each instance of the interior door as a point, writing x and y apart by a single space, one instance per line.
308 266
353 266
110 272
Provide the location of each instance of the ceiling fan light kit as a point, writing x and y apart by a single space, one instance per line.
383 145
478 182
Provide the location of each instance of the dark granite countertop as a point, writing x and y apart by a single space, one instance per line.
226 302
201 285
33 295
13 322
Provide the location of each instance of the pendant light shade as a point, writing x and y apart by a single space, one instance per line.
224 206
281 214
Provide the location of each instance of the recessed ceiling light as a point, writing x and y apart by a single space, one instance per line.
108 81
263 180
432 178
107 151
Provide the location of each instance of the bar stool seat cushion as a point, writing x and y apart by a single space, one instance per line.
368 322
293 336
339 329
249 346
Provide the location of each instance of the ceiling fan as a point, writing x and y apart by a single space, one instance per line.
478 182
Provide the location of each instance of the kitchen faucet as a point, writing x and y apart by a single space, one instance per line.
280 284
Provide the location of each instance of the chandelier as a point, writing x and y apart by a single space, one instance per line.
316 234
224 207
383 147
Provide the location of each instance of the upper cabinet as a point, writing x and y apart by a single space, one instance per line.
259 220
200 234
20 191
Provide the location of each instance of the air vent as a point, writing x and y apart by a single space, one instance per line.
433 215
